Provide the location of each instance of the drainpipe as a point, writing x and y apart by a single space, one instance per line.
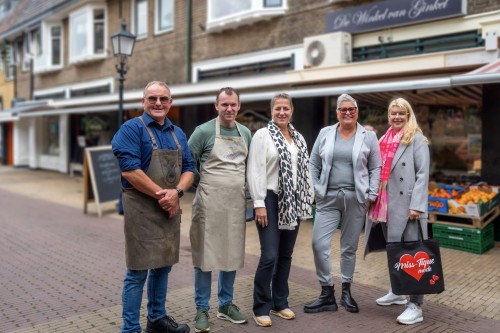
189 40
32 79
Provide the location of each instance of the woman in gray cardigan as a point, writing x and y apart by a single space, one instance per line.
402 195
345 169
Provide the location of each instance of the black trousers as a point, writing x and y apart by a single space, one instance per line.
276 248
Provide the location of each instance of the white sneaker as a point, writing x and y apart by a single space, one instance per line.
391 299
412 315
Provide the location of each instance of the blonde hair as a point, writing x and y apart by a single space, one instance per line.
412 125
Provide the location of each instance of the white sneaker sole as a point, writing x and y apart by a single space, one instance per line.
262 324
417 320
402 302
276 313
225 317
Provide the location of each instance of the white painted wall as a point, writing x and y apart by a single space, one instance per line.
21 142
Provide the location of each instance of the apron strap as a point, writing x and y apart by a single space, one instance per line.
153 140
217 127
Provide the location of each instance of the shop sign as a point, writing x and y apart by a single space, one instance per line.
393 13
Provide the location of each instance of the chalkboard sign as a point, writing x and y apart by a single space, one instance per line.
102 177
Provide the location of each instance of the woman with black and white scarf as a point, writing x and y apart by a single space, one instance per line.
281 188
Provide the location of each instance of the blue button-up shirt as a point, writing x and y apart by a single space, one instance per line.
133 148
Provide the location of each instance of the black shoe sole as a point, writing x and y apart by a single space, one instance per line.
154 330
323 308
349 309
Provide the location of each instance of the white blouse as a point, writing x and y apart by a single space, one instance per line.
263 166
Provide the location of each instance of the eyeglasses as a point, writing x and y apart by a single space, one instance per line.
154 99
345 110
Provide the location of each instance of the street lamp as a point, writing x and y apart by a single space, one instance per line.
123 45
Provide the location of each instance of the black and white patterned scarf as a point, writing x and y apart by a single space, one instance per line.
292 205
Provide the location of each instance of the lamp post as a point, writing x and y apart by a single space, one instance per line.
123 45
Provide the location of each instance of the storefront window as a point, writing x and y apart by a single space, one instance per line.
454 133
51 142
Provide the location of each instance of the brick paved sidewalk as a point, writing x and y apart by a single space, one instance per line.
61 271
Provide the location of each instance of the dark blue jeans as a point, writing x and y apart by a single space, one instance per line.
132 296
276 248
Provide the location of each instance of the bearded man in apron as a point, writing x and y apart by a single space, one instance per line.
156 168
218 218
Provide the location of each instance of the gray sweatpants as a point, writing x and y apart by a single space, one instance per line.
338 206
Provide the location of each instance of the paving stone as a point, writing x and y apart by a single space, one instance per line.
62 271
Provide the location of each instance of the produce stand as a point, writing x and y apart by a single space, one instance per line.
464 220
470 240
461 218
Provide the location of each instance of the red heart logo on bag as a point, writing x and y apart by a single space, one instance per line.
415 266
435 277
432 282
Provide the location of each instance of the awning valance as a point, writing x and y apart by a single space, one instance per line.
6 117
487 74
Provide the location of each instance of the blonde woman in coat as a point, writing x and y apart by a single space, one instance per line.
402 194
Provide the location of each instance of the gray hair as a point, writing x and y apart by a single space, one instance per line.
160 83
346 97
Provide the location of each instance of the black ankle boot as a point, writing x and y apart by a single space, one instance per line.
347 301
325 302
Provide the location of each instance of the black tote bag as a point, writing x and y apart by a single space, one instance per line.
415 267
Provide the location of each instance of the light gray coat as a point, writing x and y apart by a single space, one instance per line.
365 158
407 189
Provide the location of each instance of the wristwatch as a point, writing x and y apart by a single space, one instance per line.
180 192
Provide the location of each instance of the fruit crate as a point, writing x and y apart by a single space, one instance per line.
470 240
464 220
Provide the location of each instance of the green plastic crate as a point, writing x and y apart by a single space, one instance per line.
470 240
496 226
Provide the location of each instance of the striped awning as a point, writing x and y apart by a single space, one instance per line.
491 68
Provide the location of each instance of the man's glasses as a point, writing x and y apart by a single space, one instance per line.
154 99
345 110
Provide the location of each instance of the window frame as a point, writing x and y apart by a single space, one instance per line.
8 63
50 46
39 93
135 17
44 62
257 11
157 20
6 7
89 54
25 59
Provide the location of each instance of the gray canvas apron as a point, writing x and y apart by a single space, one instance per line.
152 238
218 216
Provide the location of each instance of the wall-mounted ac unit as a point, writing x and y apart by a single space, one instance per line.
327 50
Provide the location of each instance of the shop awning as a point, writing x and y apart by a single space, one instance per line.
463 86
12 114
491 68
81 110
6 117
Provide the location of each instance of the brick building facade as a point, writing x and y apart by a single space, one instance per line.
259 50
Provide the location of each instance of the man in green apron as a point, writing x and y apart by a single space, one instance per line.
218 218
156 168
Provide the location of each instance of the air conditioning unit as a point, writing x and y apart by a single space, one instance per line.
327 50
